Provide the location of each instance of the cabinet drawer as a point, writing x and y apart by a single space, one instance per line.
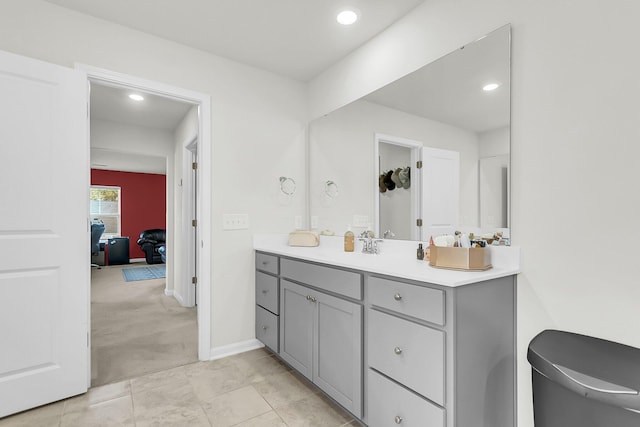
412 300
389 404
347 283
268 263
409 353
267 291
267 328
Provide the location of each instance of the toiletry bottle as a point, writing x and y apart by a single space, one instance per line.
420 252
428 252
348 240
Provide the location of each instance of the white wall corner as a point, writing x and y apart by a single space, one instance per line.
235 348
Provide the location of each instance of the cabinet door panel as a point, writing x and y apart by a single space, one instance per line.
409 353
338 353
391 404
416 301
267 328
268 263
296 327
267 292
341 282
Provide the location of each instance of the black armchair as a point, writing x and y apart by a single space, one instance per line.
96 232
150 241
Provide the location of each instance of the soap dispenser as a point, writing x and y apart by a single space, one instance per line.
349 240
420 252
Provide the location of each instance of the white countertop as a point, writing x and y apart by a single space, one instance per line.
397 258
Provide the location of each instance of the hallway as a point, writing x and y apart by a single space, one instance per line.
136 329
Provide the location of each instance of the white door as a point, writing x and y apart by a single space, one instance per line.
440 191
44 238
189 230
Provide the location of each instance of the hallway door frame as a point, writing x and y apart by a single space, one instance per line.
204 190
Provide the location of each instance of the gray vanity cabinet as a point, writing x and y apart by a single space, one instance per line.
393 351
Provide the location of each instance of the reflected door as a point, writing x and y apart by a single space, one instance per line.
440 191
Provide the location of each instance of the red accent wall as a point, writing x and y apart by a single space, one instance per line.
143 204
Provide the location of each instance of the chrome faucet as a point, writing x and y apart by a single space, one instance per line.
388 234
370 245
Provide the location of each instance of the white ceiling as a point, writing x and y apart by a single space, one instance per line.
298 39
449 90
295 38
113 104
127 162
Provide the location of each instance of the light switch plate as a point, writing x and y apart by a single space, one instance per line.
235 221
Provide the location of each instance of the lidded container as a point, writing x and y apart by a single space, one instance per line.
582 381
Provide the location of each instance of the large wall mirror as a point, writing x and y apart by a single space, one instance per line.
425 155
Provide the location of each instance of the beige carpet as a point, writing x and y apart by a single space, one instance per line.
136 329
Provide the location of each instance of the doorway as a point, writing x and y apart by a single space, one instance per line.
397 208
176 238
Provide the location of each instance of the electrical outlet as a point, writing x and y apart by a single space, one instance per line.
360 221
235 221
298 222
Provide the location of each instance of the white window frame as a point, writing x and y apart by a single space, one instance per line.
118 216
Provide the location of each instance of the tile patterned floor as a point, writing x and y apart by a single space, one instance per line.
252 389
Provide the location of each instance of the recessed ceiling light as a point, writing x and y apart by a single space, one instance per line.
490 87
347 17
136 97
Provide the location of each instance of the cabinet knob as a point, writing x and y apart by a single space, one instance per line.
397 297
313 299
398 419
264 328
397 350
308 297
264 291
265 262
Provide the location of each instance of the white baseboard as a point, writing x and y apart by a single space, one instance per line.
168 292
231 349
179 298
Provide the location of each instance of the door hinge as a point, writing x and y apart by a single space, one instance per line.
419 164
194 165
419 222
194 280
194 222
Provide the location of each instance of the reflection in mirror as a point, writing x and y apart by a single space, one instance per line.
494 180
395 201
442 107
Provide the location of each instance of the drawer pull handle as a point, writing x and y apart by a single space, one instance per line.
397 350
264 291
397 297
265 262
264 328
398 419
